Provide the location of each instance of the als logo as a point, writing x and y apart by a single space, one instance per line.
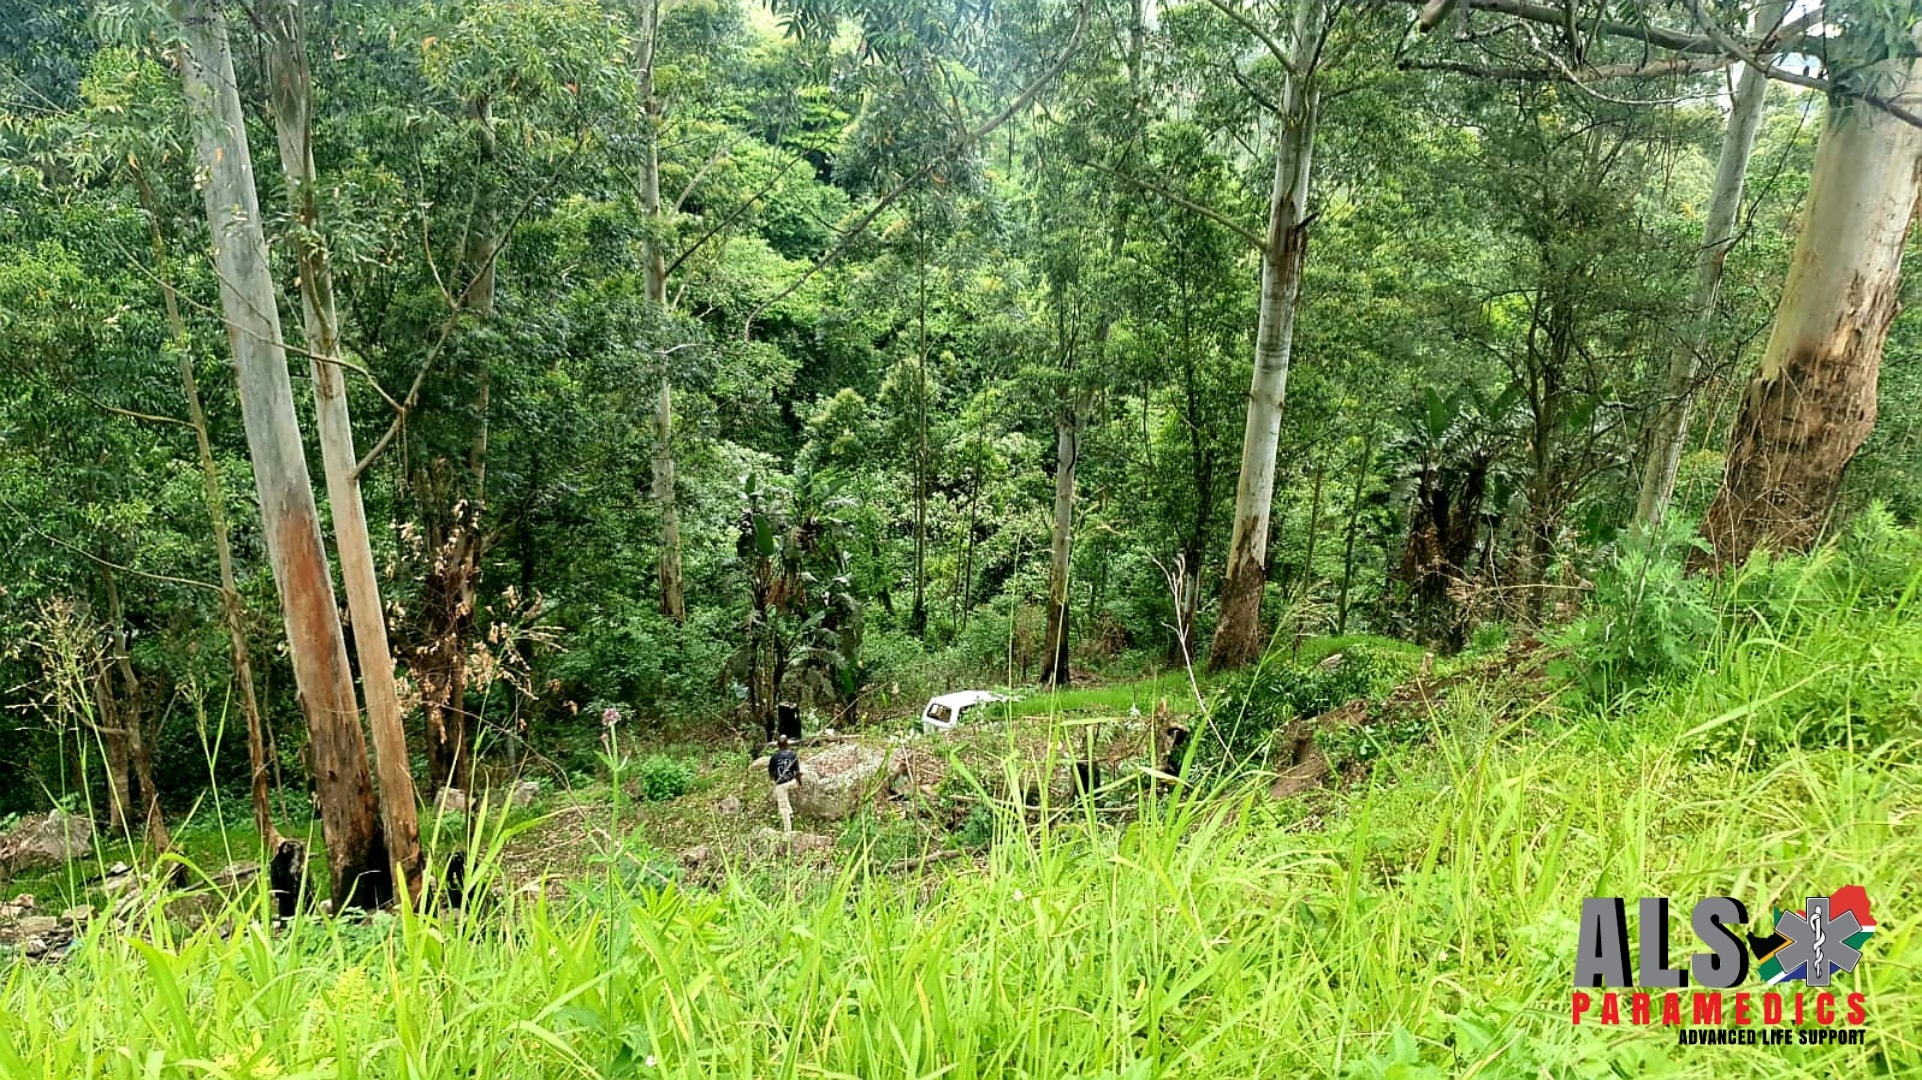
1811 946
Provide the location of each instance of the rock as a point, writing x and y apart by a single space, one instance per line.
24 901
36 926
836 781
730 806
525 793
451 801
121 882
807 841
77 914
45 841
695 857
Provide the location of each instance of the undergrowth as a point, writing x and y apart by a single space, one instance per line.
1423 925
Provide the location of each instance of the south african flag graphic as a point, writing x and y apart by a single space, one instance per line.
1784 954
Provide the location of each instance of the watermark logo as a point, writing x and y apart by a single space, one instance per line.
1810 946
1815 943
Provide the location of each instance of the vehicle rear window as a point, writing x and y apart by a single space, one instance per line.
941 713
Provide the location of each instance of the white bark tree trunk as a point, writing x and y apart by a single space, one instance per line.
355 853
1238 637
1669 429
673 599
1813 402
291 88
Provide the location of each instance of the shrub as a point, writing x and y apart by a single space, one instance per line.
1247 709
1647 621
886 839
661 778
977 829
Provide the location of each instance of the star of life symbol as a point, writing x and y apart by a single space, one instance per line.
1817 941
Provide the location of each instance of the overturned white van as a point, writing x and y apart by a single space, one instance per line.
945 711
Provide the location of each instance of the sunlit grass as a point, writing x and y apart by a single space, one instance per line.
1431 922
1422 924
1111 699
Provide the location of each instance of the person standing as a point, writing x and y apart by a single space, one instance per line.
784 769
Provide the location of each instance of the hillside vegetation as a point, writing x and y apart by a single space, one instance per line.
1418 922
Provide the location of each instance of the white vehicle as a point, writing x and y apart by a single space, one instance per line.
945 711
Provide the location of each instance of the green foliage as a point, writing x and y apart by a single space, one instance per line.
976 831
885 840
660 777
1148 929
1647 621
1816 651
1246 711
1649 625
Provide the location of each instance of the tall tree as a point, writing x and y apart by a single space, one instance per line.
1813 402
356 853
291 88
673 602
1669 428
1238 638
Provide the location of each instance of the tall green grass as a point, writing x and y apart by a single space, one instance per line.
1422 925
1429 931
1113 699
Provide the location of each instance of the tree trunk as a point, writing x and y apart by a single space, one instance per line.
1238 635
918 614
113 750
1545 374
974 511
1669 429
673 602
673 598
139 753
231 610
1354 517
1054 653
1201 473
291 88
1314 530
1813 403
452 581
356 854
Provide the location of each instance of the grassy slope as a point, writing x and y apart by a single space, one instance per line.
1421 925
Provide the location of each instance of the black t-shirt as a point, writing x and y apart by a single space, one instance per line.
784 766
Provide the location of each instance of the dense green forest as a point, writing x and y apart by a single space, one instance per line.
398 397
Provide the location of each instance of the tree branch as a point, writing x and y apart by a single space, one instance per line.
1676 40
1766 66
1582 74
1247 235
84 553
1247 85
732 216
1274 47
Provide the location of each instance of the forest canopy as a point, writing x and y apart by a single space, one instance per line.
413 385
